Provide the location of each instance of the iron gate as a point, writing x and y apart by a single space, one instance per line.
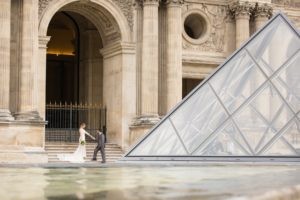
64 119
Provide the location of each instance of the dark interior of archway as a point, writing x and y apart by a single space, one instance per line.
62 76
188 84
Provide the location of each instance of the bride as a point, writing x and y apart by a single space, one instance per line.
80 153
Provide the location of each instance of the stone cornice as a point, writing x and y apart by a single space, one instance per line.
43 41
118 48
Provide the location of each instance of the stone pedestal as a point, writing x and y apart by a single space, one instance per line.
137 132
173 79
22 142
149 69
5 9
27 99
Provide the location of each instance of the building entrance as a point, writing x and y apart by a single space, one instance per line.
74 76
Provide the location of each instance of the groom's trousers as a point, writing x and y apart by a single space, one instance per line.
101 149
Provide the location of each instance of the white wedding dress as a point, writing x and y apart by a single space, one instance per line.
79 154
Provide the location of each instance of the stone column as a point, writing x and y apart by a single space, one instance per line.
174 54
27 106
261 15
149 69
5 59
242 12
43 41
229 33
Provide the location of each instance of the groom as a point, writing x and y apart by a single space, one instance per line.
100 139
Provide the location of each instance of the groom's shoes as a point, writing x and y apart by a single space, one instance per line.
94 159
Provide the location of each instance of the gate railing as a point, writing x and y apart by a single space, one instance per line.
64 119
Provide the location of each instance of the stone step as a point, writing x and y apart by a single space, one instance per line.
76 143
113 152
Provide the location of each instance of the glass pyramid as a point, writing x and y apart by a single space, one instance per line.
249 108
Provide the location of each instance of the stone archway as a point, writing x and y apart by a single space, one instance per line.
119 73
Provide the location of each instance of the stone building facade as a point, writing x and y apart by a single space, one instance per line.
138 58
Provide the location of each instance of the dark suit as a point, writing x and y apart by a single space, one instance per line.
100 146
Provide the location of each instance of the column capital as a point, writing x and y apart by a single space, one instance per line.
241 9
150 2
262 11
173 2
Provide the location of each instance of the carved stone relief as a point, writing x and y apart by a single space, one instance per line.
215 41
42 5
290 3
296 21
125 5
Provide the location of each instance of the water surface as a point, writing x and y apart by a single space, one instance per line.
152 182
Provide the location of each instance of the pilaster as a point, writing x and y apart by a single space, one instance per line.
149 68
43 42
28 105
173 72
5 22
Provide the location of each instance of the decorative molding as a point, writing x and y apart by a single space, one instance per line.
241 9
174 2
216 39
42 6
288 3
264 10
126 7
43 41
117 48
150 2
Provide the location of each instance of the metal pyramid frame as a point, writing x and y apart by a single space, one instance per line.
247 110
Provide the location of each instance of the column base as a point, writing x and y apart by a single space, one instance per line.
28 116
146 120
5 115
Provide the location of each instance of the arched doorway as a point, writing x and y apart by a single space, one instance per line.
92 63
74 77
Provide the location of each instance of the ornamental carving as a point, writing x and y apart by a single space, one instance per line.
179 2
216 39
125 6
295 20
290 3
262 11
42 5
241 9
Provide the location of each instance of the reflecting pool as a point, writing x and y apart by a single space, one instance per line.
147 182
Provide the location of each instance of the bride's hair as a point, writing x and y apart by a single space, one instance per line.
81 124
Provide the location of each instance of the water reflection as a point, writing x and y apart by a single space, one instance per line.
214 182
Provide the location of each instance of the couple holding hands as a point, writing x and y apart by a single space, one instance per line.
80 153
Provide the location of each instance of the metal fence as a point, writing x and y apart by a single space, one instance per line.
64 119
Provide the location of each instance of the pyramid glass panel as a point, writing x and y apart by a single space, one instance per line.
163 141
195 122
227 142
288 82
249 108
